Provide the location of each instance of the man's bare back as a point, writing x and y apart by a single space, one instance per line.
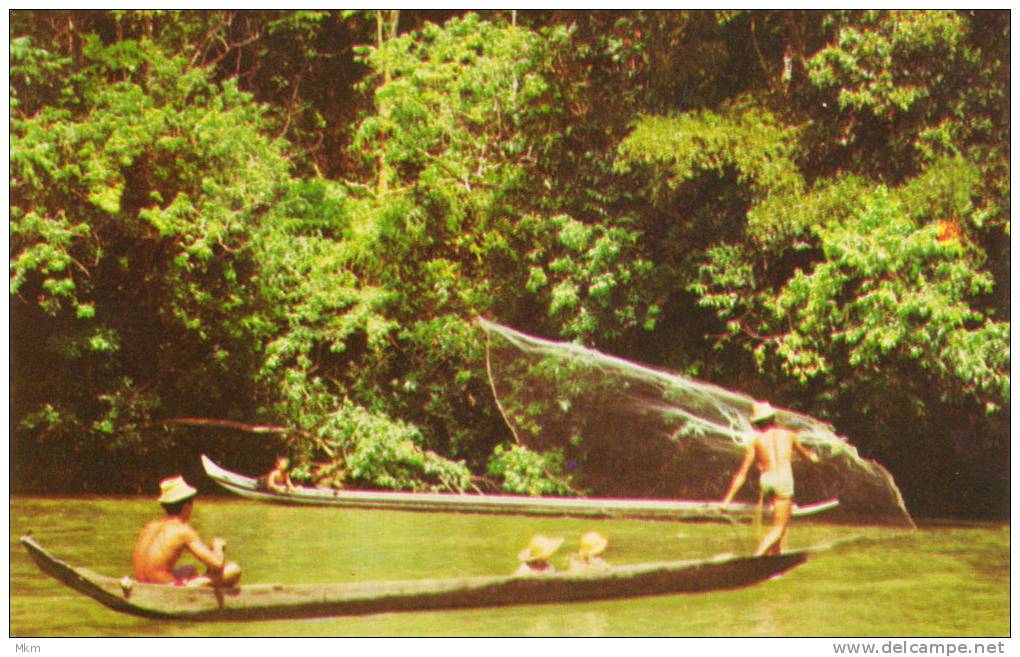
771 450
160 546
162 543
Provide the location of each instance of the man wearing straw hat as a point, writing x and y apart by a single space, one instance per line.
772 450
163 541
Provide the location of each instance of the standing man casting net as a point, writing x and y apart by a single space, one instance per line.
771 448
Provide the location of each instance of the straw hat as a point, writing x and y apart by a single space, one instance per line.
592 544
540 548
174 489
761 411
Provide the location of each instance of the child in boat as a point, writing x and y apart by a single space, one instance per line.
535 558
163 541
278 479
587 558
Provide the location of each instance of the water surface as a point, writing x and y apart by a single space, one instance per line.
941 580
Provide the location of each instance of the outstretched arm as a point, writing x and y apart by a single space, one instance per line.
804 451
741 476
211 557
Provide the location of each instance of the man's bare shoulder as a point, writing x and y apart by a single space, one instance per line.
173 529
775 434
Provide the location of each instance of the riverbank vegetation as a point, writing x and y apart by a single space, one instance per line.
244 232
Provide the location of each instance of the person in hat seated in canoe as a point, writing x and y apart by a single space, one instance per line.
535 558
588 557
163 542
771 448
278 479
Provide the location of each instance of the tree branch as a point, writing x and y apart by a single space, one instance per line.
757 50
241 426
231 424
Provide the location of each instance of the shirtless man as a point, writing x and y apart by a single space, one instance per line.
772 451
163 541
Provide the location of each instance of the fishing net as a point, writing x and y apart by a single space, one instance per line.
626 430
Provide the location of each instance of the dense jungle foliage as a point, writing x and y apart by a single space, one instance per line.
251 232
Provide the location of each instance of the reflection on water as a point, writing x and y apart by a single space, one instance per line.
591 623
885 584
766 620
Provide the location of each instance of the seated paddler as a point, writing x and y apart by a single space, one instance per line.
163 542
589 554
278 478
535 558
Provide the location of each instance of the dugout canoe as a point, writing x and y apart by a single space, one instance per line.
582 507
279 601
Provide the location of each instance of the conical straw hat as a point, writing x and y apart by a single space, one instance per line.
592 544
540 548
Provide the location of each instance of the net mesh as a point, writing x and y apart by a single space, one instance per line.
631 431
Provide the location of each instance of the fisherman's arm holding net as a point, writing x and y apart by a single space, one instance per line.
804 451
740 476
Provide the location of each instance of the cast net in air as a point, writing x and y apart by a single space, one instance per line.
632 431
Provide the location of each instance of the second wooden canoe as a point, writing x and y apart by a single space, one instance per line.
583 507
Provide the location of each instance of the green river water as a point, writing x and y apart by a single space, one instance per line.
943 580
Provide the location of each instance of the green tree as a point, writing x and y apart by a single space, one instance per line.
135 188
842 232
241 215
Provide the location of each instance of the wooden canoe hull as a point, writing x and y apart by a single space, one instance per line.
278 601
498 504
